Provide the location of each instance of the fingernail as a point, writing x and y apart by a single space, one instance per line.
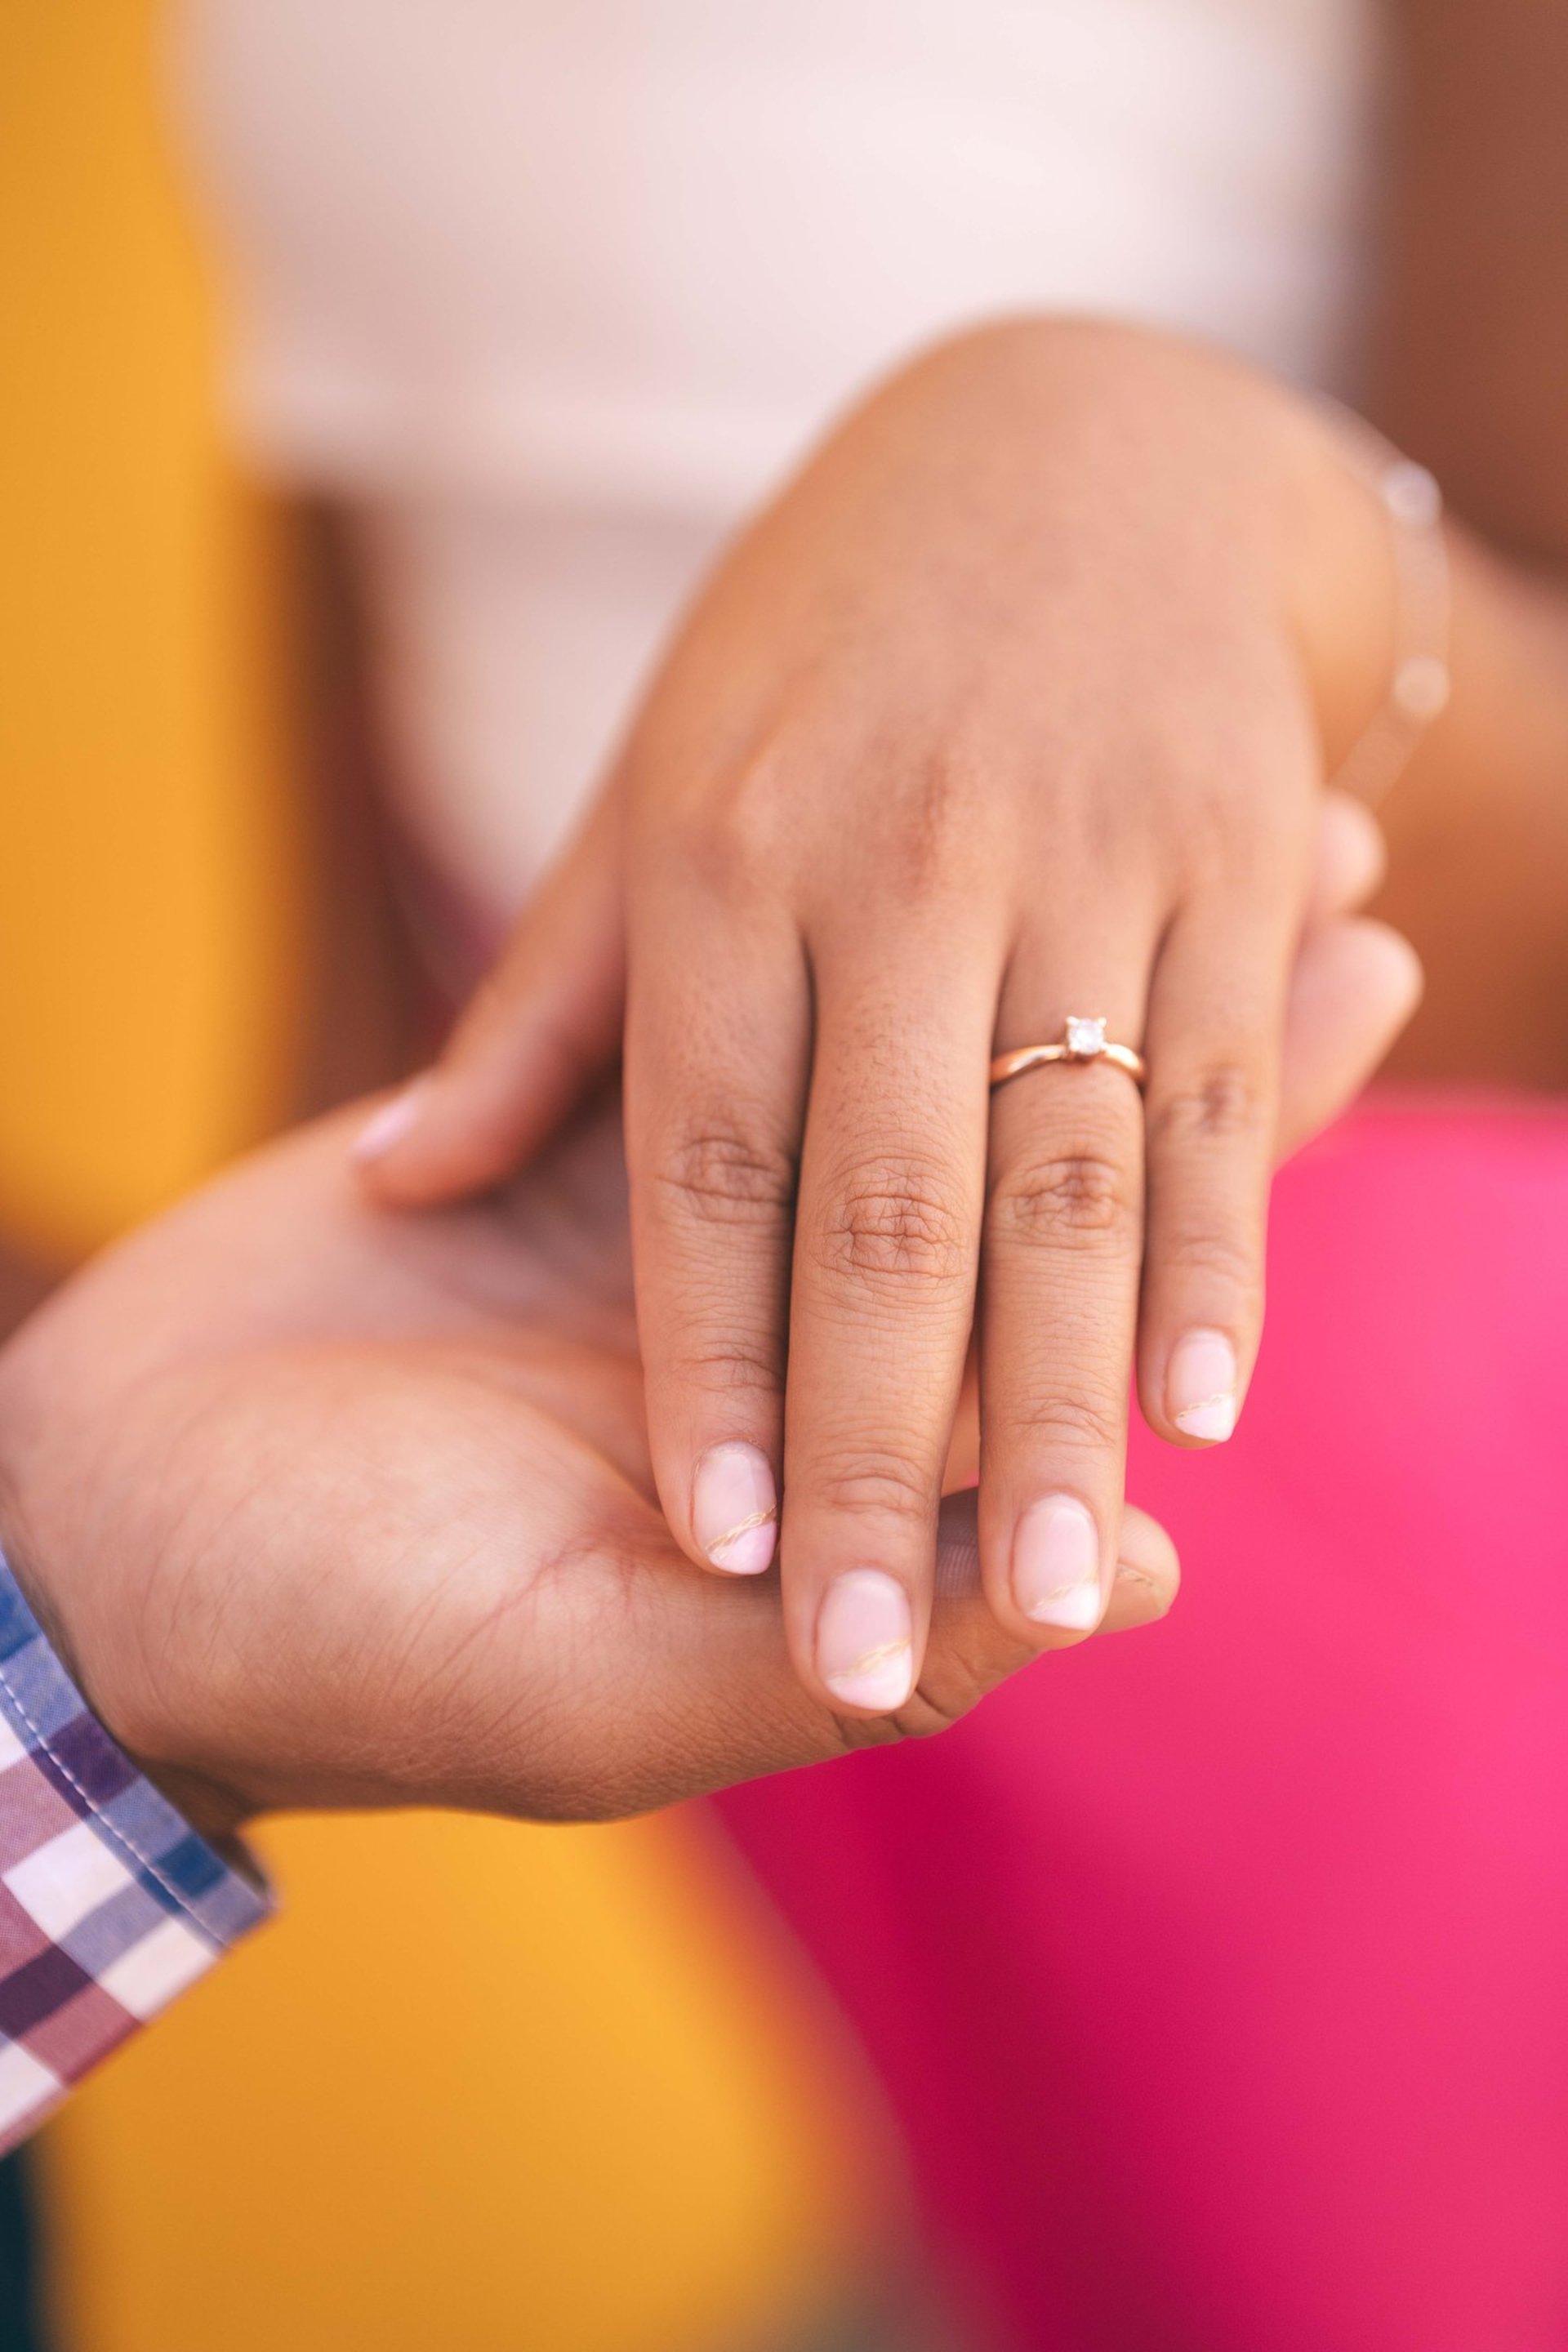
865 1641
1135 1586
390 1123
1200 1387
1055 1565
734 1509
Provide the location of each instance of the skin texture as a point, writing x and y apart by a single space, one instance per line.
327 1507
1014 705
1464 370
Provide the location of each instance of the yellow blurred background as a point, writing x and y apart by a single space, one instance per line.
485 2085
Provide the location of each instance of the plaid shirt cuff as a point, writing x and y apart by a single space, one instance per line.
110 1902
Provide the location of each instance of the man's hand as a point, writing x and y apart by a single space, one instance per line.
326 1506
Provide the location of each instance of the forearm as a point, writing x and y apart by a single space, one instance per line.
1478 833
1465 365
113 1906
1477 824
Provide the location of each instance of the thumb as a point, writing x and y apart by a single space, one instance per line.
1356 984
530 1045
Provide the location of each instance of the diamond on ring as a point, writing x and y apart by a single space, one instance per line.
1085 1039
1081 1040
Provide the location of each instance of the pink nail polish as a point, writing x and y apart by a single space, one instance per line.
734 1509
865 1641
1055 1565
389 1125
1201 1385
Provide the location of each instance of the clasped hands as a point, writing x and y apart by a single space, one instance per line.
1012 706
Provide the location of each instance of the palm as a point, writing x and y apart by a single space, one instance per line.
335 1506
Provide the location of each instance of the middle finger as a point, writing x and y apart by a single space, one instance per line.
887 1244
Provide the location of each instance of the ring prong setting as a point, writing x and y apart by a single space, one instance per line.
1082 1040
1085 1039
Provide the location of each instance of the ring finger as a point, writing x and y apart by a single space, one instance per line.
1061 1257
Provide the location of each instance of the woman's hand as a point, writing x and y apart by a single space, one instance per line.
1013 707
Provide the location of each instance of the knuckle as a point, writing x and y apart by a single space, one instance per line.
724 834
1068 1200
731 1370
895 1220
717 1173
963 1662
924 1715
875 1481
856 1733
932 1708
1072 1422
932 849
723 846
1223 1257
1227 1102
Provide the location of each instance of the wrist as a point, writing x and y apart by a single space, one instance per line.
113 1906
1349 591
215 1812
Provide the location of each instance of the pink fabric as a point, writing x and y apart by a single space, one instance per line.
1219 1974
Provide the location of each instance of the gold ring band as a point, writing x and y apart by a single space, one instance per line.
1083 1041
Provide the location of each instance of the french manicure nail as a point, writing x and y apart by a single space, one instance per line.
1055 1565
390 1124
865 1641
734 1509
1200 1387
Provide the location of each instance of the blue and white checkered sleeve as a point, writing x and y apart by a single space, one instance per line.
110 1902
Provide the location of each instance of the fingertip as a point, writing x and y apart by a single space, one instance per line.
1145 1580
1139 1597
425 1146
388 1126
864 1644
1055 1571
1202 1389
1356 985
1351 858
1406 973
1148 1576
734 1510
